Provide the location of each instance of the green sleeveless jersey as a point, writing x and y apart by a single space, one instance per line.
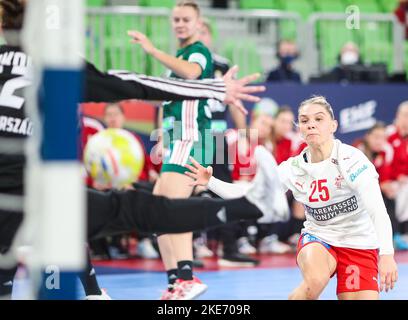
185 120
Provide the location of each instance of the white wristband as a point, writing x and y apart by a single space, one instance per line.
226 190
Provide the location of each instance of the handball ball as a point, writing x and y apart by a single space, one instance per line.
114 157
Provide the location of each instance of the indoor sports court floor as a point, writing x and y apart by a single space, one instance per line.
273 279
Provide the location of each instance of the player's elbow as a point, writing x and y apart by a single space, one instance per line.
193 72
192 75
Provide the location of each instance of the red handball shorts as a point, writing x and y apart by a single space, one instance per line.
357 269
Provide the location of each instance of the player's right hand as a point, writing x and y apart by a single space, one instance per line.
143 40
198 173
388 271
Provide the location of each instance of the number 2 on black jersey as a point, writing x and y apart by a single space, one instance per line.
7 92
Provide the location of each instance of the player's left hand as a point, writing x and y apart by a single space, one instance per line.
388 272
237 90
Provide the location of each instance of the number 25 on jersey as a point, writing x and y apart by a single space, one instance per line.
320 191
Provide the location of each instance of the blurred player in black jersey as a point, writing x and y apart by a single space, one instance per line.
107 212
14 123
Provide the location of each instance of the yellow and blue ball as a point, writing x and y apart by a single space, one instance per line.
114 157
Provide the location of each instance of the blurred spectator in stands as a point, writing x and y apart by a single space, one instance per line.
351 69
261 128
287 53
285 140
398 138
375 146
288 143
349 54
348 58
402 14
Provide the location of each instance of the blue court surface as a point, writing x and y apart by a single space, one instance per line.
135 280
268 284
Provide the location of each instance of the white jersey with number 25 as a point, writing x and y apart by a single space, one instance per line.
331 192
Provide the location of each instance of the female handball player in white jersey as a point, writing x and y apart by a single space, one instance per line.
347 230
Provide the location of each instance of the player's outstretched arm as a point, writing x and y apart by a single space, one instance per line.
121 85
203 177
184 69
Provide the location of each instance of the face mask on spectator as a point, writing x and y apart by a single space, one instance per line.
349 57
287 60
